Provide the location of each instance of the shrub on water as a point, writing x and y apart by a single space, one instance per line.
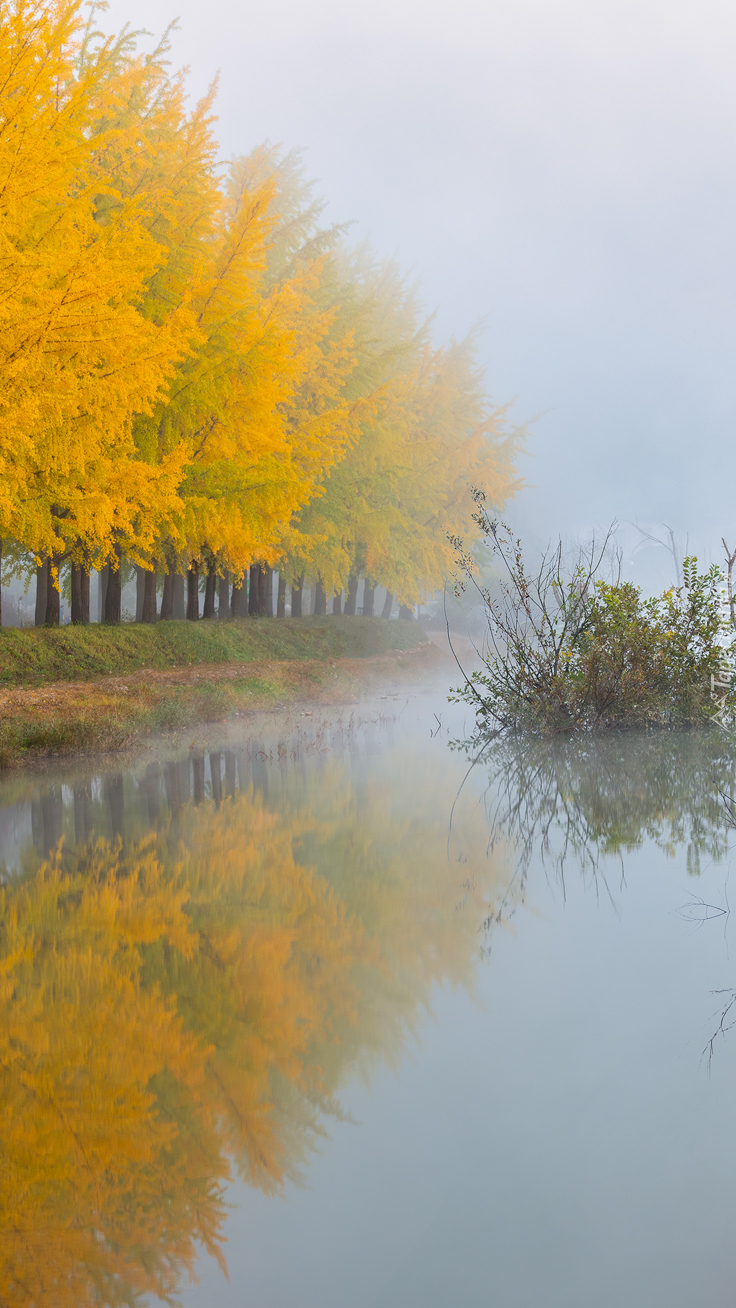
571 650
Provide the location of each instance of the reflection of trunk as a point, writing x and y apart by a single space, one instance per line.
150 790
193 593
47 820
167 599
369 595
42 582
352 595
216 775
297 592
53 596
259 771
114 592
320 600
114 794
337 604
388 605
229 772
82 814
406 613
198 777
80 594
148 612
172 782
209 593
281 597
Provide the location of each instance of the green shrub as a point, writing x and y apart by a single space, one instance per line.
570 650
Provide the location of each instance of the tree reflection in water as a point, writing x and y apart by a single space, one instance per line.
575 801
192 962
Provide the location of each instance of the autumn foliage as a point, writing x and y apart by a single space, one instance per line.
197 376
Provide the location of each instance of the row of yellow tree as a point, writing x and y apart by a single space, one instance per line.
196 373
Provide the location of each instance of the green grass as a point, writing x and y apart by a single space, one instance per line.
31 656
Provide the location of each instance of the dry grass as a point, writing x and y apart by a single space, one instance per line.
113 713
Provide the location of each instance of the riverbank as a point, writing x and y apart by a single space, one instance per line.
36 655
48 718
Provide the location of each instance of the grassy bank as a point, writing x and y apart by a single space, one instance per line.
35 655
45 717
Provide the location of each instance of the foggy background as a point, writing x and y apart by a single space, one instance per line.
563 170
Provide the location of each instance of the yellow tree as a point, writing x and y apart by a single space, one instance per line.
79 358
260 405
390 506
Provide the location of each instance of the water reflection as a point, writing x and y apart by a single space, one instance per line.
193 958
576 802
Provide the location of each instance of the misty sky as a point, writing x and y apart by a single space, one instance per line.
565 171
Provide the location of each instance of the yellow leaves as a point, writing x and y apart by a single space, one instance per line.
427 434
187 363
77 357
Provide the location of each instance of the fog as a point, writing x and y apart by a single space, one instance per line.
563 171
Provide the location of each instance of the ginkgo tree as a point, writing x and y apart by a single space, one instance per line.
391 506
79 358
197 374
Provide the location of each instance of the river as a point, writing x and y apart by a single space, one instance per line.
332 1010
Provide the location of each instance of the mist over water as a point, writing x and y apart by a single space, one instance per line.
419 1023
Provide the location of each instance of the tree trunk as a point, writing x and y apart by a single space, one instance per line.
223 598
406 613
102 578
236 598
388 605
193 593
209 593
114 593
140 585
148 612
320 600
42 583
352 595
266 584
1 583
53 592
253 590
297 591
179 605
281 597
337 604
80 594
167 599
85 595
369 596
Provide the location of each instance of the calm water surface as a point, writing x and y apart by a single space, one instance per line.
322 1015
